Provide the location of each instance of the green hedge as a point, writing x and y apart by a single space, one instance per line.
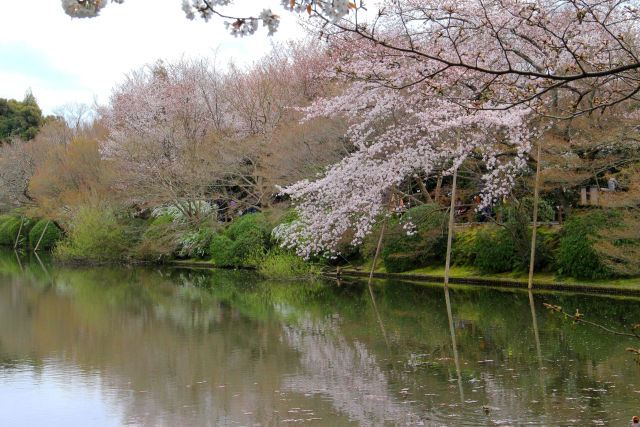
159 241
222 251
576 256
463 249
50 237
243 242
492 249
428 243
495 251
96 235
9 231
547 247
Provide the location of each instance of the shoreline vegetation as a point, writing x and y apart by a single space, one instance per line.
483 253
281 179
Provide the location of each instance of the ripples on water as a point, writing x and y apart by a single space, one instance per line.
159 346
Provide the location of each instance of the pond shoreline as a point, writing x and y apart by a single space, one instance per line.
472 281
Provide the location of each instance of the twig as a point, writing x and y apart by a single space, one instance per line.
578 318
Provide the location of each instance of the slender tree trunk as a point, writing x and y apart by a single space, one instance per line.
536 193
375 258
41 236
438 185
15 245
450 233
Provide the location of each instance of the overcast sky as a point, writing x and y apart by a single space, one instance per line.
67 60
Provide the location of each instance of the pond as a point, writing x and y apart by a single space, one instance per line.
177 347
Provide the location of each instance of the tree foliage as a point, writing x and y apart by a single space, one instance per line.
19 119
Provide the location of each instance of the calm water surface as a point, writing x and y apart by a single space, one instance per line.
161 346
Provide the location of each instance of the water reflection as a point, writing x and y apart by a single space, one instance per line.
375 308
155 346
454 346
535 330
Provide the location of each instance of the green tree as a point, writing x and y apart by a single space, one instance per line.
19 119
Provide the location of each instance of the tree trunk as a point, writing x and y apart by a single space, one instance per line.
450 233
438 185
423 189
15 245
536 193
375 258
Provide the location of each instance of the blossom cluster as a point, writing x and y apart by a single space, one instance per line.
85 8
333 10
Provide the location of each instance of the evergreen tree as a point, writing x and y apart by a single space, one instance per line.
19 119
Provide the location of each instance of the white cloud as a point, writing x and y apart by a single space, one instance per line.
96 53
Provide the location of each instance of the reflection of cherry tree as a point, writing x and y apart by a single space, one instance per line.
349 373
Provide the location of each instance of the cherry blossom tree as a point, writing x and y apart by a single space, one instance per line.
187 131
163 138
397 133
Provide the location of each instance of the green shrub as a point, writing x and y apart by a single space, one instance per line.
247 245
5 218
244 241
463 249
94 235
9 231
159 241
547 247
523 210
576 256
280 263
222 251
196 243
255 223
495 251
398 255
427 243
50 237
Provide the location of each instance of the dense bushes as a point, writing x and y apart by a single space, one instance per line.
196 243
280 263
491 249
159 240
570 252
494 251
247 238
94 235
463 249
576 256
30 232
222 251
10 227
50 237
426 243
9 230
